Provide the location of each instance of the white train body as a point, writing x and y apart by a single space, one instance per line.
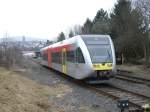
82 56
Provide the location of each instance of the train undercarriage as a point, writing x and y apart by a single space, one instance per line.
100 77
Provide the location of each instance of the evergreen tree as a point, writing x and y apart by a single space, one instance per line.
86 29
71 34
101 23
61 37
127 26
48 42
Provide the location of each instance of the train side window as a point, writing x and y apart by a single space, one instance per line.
56 57
71 56
79 56
53 57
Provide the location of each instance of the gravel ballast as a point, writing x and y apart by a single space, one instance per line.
76 98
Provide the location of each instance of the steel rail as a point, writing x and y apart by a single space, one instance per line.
129 79
124 75
113 91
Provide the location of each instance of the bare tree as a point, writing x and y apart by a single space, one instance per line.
76 30
144 7
10 53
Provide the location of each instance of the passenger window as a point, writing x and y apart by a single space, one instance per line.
71 56
75 56
56 57
79 56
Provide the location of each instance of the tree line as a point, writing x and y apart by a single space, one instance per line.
129 26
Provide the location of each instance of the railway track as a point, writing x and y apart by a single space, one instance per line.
122 75
134 79
136 101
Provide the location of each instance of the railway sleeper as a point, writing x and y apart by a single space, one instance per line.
136 110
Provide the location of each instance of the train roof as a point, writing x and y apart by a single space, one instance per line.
75 38
100 36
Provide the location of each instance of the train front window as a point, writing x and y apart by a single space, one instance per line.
100 53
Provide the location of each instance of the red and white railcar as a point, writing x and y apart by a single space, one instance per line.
82 56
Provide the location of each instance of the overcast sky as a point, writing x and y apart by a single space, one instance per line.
46 18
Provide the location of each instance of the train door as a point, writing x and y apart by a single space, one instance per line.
64 59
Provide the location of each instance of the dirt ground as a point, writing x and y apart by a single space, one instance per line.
19 94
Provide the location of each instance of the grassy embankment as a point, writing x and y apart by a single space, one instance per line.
19 94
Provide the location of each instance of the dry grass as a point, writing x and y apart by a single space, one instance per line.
137 69
19 94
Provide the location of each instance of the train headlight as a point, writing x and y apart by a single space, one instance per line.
95 65
109 65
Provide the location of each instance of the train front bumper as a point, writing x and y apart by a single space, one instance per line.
103 66
103 70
